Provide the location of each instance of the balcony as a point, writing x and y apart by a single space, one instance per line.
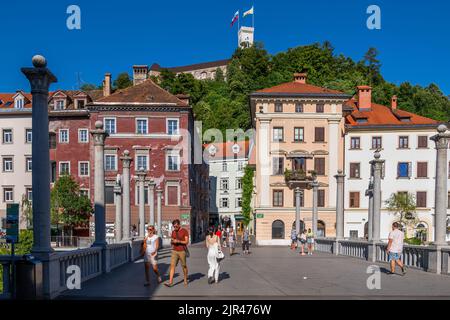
299 178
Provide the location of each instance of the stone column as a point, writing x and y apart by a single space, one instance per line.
369 193
151 200
159 210
440 218
141 179
40 80
126 163
340 178
118 201
297 210
377 170
99 136
315 214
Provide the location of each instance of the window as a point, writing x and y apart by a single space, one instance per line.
422 169
138 195
83 169
319 166
302 199
64 136
29 194
224 203
173 161
52 140
321 198
59 105
355 143
278 166
7 136
110 125
110 162
141 126
421 199
172 126
278 229
278 198
224 167
240 166
238 183
80 103
299 164
224 184
8 194
354 199
299 108
141 162
29 164
354 234
299 134
320 108
422 142
8 164
83 136
109 194
172 195
19 103
28 136
278 107
64 168
319 134
403 170
403 142
355 170
53 172
238 202
278 134
84 192
377 143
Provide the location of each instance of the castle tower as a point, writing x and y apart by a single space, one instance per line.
246 37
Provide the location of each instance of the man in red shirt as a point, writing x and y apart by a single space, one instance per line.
180 240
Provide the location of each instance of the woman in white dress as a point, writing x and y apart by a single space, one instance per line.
151 246
213 245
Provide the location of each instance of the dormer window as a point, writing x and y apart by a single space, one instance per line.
81 103
59 104
19 103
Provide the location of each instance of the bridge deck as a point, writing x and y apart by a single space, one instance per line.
273 273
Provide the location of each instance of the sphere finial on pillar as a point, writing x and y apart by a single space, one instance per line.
442 128
99 125
377 155
126 153
39 61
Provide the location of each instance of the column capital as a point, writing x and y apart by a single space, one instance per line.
159 191
117 189
340 176
40 77
377 162
126 159
442 138
151 184
141 175
99 134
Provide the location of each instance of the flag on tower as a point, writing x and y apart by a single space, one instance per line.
235 18
249 12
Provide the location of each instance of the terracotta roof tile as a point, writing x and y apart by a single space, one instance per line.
225 150
298 88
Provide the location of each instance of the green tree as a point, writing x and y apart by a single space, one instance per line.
27 211
403 205
88 87
247 193
122 81
374 65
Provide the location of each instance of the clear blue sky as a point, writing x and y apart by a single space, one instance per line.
414 42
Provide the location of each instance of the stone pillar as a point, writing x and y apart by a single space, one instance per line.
141 179
369 193
118 201
315 214
377 170
126 163
440 218
159 210
40 80
340 178
297 210
151 200
99 136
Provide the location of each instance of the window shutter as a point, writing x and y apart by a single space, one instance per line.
410 170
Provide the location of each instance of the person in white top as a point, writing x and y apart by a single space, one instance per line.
395 248
150 252
213 245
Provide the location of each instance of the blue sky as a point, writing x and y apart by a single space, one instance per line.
414 41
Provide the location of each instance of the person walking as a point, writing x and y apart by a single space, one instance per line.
293 239
213 246
231 241
246 241
179 241
395 248
303 241
219 232
151 246
224 237
310 241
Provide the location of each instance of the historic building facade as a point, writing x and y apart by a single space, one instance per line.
299 127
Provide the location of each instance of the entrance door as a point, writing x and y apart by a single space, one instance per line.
239 228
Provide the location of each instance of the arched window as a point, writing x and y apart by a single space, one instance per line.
278 229
320 229
421 231
302 225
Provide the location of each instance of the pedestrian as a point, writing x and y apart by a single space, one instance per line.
150 252
134 232
213 246
395 248
310 241
246 241
303 241
224 238
219 233
293 239
179 241
231 241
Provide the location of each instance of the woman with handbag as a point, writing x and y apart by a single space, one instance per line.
214 255
150 248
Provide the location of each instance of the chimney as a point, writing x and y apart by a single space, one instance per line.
364 98
107 85
394 103
140 74
184 97
300 77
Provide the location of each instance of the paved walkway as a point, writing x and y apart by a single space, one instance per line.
267 273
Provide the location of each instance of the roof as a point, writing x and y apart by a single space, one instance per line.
204 65
7 100
297 88
146 92
224 150
380 115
